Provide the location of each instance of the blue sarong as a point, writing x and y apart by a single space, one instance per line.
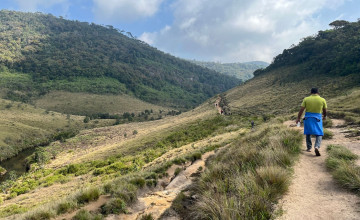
313 124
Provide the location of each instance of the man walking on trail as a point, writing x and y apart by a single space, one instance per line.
315 106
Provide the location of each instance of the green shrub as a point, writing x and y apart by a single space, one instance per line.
65 207
88 195
126 192
179 161
138 181
151 183
194 156
114 206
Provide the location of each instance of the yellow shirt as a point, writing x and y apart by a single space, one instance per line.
314 104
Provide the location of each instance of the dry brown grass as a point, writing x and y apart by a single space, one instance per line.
86 104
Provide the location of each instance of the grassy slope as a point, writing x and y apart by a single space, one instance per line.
269 94
22 124
152 140
86 104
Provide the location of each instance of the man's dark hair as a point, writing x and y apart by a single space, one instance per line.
314 90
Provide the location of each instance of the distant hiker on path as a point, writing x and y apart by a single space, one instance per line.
252 124
314 105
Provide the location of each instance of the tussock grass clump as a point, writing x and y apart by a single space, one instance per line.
138 181
327 134
244 180
86 215
114 206
273 178
66 206
43 214
340 152
88 195
341 162
327 123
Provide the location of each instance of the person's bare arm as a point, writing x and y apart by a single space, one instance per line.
324 113
300 114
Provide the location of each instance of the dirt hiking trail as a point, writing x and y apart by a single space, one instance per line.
313 193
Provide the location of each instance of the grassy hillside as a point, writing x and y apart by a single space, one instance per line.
88 104
42 53
242 71
23 126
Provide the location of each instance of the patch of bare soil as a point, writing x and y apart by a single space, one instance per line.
156 202
313 193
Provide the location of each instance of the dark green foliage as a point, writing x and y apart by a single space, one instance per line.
138 181
194 156
329 53
81 57
62 136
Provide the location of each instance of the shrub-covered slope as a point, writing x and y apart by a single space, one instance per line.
58 54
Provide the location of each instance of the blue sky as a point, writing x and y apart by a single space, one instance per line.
207 30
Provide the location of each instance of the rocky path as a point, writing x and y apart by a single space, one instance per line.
313 193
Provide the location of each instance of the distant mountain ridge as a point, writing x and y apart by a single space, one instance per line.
243 71
41 53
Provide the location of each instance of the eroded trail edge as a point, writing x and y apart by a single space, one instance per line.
313 193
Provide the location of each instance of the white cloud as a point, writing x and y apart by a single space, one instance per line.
126 10
233 30
34 5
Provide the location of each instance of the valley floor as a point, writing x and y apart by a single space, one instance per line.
314 194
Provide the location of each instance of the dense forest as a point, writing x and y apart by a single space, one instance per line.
242 71
40 53
331 53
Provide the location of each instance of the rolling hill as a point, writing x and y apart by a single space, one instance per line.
41 53
251 167
242 71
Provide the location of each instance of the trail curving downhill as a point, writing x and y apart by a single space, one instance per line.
313 193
